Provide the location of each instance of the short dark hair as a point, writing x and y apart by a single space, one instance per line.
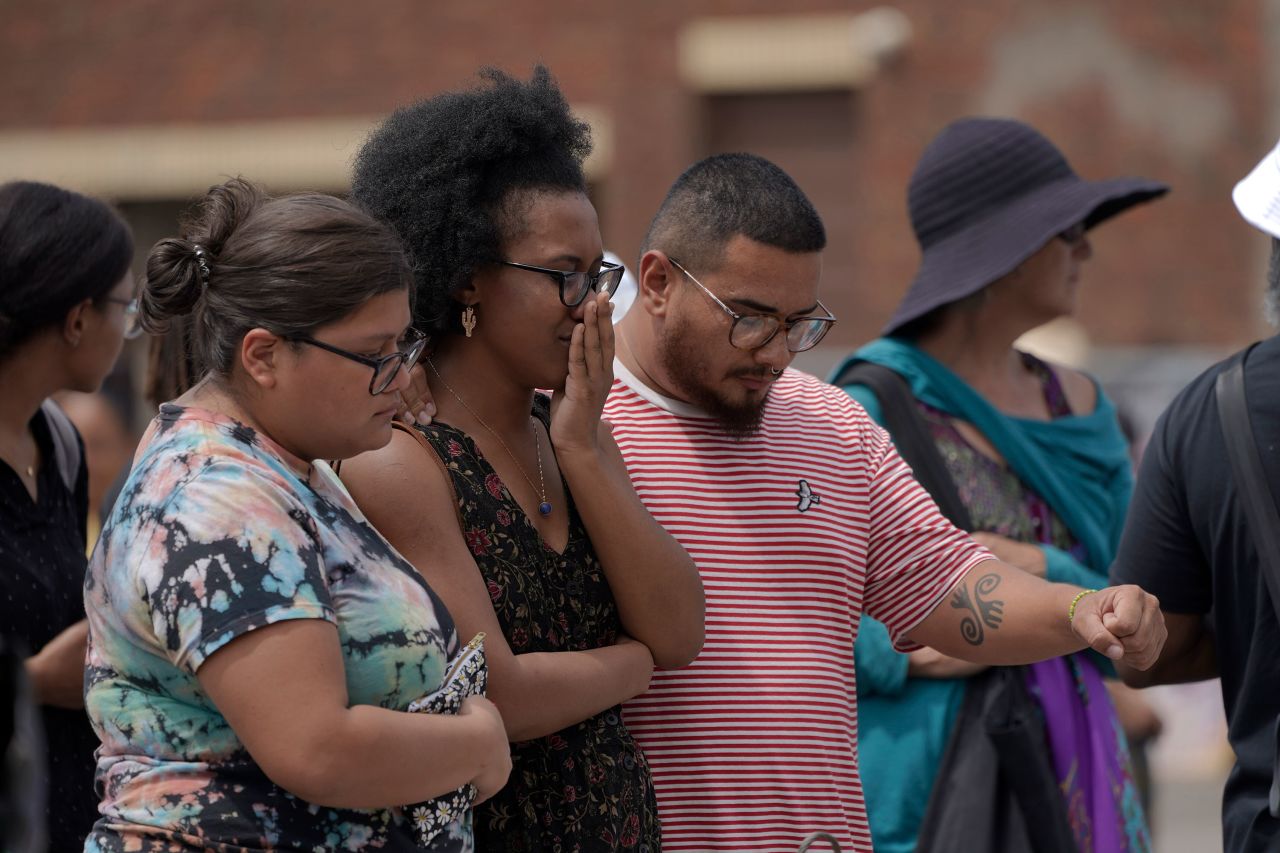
443 173
57 249
288 265
727 195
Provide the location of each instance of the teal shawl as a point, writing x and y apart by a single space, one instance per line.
1078 464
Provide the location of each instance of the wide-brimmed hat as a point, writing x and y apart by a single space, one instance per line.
1257 197
987 194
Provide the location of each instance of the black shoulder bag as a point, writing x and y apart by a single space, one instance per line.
1258 502
996 789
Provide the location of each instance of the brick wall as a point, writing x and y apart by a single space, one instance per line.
1172 91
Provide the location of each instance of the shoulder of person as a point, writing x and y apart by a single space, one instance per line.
1080 388
213 498
405 476
830 416
829 402
1191 418
403 457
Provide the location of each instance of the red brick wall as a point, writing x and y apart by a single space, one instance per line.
1172 91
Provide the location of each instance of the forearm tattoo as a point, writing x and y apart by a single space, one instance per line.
982 609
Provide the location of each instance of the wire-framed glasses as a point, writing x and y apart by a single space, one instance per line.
574 286
132 328
385 368
752 331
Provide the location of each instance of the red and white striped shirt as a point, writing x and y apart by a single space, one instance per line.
795 530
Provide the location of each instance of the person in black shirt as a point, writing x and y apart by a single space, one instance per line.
1187 540
66 303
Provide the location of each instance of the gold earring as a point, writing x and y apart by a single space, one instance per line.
468 320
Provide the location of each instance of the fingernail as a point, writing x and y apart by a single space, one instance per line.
1115 652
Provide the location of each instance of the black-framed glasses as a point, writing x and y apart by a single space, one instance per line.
385 368
1073 235
574 286
132 328
752 331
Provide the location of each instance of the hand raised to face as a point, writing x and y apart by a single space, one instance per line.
575 414
416 404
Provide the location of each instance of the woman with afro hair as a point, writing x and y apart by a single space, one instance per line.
518 508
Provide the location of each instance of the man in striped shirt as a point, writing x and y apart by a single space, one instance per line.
800 515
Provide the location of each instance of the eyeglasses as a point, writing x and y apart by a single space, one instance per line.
384 368
752 331
1073 235
132 328
574 286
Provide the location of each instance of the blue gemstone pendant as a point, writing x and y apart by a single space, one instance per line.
545 508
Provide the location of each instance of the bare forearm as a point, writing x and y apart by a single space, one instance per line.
1001 615
654 582
543 692
56 672
368 757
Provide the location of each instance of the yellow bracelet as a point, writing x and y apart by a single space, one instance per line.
1071 611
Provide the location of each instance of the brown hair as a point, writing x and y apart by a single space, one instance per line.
171 366
245 260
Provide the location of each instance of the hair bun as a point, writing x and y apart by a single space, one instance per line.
177 274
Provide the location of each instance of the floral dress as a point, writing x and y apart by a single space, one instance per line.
586 787
217 532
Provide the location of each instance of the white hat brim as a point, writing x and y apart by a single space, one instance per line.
1257 197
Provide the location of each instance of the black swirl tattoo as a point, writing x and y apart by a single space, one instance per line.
982 608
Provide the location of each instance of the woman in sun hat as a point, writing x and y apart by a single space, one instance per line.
1038 464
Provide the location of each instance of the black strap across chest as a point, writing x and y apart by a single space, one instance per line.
1256 500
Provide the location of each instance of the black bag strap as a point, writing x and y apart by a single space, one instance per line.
66 446
1246 467
1256 498
910 435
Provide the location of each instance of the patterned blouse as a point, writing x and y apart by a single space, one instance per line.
997 500
586 787
219 531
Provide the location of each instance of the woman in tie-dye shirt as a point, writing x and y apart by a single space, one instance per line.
253 641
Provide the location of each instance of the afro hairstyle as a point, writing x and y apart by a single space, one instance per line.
442 173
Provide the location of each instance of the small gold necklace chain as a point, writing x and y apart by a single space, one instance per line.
22 468
544 506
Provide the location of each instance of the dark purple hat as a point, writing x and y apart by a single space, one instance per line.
985 196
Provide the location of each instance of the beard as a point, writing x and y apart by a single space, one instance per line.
681 361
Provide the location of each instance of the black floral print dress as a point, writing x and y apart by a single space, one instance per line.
586 787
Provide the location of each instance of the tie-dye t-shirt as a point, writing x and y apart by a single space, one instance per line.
219 531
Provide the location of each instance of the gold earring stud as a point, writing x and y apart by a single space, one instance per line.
468 320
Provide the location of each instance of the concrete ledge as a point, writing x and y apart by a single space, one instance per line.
177 161
778 53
